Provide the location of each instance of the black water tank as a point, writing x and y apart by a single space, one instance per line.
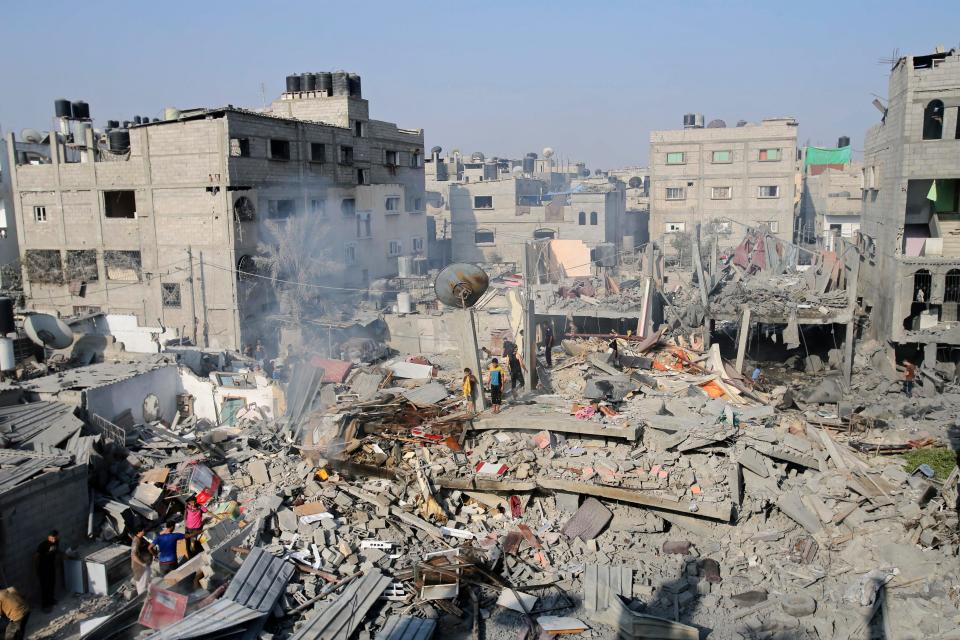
125 124
6 316
341 84
528 164
137 120
63 108
353 82
113 124
308 82
844 141
119 140
81 110
325 82
293 84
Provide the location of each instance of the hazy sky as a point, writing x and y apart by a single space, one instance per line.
590 79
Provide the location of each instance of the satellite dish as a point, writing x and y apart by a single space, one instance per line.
48 331
717 124
517 170
635 182
461 285
437 150
547 152
31 135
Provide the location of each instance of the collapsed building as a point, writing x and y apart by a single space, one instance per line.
176 221
911 207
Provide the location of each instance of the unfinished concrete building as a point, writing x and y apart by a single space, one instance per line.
831 203
910 240
171 220
721 176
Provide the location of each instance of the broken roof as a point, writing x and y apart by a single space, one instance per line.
16 467
37 424
95 375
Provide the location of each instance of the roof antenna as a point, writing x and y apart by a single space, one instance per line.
263 94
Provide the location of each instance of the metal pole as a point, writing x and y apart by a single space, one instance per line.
203 302
193 300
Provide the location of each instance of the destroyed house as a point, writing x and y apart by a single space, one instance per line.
910 233
173 220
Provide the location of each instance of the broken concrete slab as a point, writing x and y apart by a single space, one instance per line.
589 520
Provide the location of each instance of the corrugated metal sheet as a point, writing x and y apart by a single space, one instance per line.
341 618
48 423
25 468
407 628
223 614
260 581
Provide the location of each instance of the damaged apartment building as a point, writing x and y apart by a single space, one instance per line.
495 206
831 196
170 220
721 176
910 240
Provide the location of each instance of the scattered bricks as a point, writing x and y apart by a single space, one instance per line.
679 547
258 472
376 524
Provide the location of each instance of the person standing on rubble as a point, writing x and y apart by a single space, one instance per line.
469 389
45 562
140 559
15 609
165 548
495 375
909 375
516 371
260 354
193 522
548 342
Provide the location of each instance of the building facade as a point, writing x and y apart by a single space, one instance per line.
174 228
910 240
723 177
831 203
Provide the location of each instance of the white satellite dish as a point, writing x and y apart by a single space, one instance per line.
547 152
48 331
31 135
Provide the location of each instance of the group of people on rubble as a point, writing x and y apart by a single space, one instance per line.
496 374
165 546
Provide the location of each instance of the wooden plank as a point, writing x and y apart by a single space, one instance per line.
742 338
722 512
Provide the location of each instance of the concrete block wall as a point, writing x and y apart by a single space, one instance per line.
54 500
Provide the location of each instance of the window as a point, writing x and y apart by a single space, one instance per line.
593 218
390 158
122 266
721 157
772 225
582 218
346 155
348 206
544 234
933 120
359 128
244 210
483 236
318 207
676 193
416 159
675 227
395 248
350 253
279 149
721 193
44 266
922 282
170 294
120 204
483 202
392 204
364 226
416 244
281 209
240 147
676 157
951 290
418 204
39 214
318 152
772 191
768 155
363 176
82 265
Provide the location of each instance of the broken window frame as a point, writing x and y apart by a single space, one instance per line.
79 266
395 248
244 210
279 149
764 193
480 235
171 295
350 253
281 209
933 120
679 193
348 206
345 155
390 157
318 152
477 202
116 206
363 176
714 193
676 157
239 147
123 266
675 227
43 266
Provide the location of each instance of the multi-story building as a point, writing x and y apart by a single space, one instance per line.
171 220
910 227
723 176
830 203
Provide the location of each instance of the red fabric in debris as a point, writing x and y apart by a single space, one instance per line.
333 370
741 254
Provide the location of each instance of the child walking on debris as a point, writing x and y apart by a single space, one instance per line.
496 384
909 374
193 521
140 560
469 388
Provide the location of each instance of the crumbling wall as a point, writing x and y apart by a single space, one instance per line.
111 400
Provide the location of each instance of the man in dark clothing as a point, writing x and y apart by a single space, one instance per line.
548 342
45 562
516 371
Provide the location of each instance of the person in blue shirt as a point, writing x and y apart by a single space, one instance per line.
165 548
496 374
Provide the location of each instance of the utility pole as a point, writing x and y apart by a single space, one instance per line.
193 300
529 320
203 301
